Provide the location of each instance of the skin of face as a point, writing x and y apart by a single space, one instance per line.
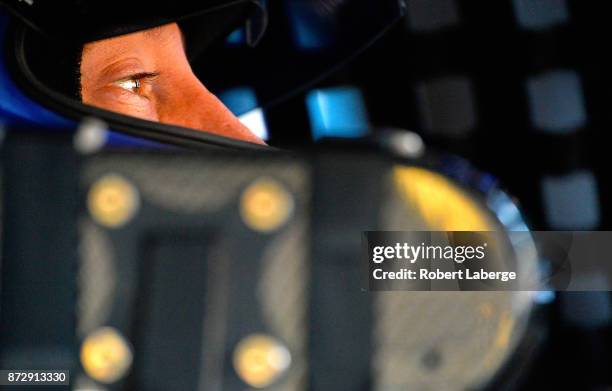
147 75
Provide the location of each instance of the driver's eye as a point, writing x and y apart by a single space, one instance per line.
137 83
133 85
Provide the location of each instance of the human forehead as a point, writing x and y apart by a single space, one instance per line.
128 43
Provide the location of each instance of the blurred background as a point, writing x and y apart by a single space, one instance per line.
519 88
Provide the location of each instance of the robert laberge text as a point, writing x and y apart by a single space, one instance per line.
437 274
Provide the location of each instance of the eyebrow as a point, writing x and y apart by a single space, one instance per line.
109 71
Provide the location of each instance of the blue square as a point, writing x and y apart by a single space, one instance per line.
556 101
540 14
571 201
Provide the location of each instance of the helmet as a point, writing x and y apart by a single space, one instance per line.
42 44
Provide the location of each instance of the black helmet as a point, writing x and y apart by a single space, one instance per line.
81 21
46 46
